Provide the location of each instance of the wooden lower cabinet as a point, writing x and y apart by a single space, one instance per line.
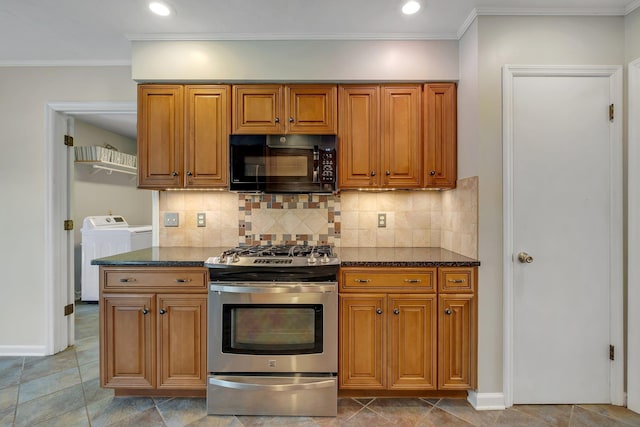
153 341
411 339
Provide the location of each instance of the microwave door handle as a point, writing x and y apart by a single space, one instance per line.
272 387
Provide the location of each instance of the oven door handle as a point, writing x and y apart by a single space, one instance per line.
273 289
240 385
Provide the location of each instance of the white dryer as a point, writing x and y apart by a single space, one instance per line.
105 236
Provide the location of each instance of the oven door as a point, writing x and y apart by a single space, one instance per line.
266 327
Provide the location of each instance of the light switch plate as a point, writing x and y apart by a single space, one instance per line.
171 219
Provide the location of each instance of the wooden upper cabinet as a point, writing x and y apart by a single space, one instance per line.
208 121
401 136
183 136
311 109
380 136
278 109
160 130
440 140
257 109
358 134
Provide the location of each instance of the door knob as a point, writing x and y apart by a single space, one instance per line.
525 258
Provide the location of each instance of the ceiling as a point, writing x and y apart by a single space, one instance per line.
99 32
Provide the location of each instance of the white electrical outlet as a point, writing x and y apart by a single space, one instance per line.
382 220
201 219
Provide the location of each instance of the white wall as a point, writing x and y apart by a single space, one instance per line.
318 60
632 35
519 40
25 92
468 103
98 193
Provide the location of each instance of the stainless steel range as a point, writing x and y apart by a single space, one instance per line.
273 331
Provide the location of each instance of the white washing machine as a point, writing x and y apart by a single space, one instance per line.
105 236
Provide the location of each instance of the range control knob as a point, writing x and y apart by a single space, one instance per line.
324 259
311 259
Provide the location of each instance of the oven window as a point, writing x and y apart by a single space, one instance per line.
272 328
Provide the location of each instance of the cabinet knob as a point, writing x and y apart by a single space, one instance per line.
163 311
447 312
189 173
145 311
387 173
290 119
396 311
378 310
432 173
373 173
174 173
277 120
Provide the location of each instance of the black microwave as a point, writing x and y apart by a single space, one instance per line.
283 163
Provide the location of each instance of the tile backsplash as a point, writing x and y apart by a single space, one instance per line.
445 219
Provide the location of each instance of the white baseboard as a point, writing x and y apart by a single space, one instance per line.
23 350
486 401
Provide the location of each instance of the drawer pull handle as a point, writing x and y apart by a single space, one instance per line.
127 280
456 280
362 280
183 280
413 280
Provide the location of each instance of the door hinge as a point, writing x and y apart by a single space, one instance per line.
68 224
611 111
68 140
612 350
68 309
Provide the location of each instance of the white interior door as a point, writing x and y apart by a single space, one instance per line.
566 214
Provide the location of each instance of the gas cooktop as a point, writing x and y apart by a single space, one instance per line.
275 256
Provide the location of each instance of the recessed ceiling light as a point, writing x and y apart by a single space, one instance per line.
160 8
410 7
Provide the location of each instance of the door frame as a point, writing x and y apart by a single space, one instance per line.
58 333
614 73
633 250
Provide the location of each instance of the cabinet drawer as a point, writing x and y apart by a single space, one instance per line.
392 280
157 278
456 279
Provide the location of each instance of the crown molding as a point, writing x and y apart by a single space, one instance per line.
66 63
287 37
547 11
631 7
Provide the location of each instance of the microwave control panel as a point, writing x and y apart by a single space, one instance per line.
327 166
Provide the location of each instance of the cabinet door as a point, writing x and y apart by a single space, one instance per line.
208 110
182 326
457 345
160 126
127 341
311 109
412 342
362 340
440 135
358 136
257 109
401 136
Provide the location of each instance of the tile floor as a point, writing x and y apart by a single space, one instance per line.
63 390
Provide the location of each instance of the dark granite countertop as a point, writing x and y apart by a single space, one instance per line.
403 257
349 257
162 257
